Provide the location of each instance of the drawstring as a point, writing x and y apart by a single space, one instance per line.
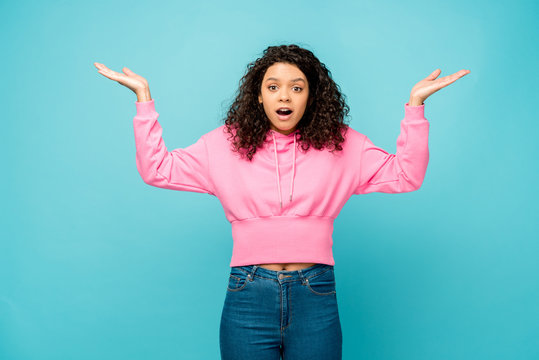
293 168
277 169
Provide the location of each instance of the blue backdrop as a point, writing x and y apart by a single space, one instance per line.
95 264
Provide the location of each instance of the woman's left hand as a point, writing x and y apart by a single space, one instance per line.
429 85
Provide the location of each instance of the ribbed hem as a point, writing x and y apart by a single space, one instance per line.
282 239
414 112
145 107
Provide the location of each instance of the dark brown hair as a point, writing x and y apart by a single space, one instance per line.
323 122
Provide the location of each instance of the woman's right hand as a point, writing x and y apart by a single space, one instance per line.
129 79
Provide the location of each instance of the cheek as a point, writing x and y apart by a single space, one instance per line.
268 111
304 105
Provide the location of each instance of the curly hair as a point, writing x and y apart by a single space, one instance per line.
323 122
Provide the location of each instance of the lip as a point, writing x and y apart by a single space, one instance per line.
284 117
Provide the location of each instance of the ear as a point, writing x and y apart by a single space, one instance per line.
260 99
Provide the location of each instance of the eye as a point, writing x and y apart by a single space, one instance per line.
297 87
269 87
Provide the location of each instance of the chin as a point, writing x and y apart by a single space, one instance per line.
287 128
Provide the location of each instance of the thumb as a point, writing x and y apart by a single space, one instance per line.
433 75
127 71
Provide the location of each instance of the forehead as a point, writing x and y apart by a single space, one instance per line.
284 72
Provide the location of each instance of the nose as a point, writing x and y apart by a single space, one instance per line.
284 95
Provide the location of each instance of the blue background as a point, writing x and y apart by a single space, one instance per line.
95 264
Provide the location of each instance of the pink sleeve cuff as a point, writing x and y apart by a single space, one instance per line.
145 107
414 112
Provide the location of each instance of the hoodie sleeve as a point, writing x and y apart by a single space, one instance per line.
183 169
380 171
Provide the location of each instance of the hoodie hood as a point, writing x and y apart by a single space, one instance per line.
282 144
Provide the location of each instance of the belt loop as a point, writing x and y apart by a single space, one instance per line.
252 274
302 277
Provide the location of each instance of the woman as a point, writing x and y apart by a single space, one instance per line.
283 165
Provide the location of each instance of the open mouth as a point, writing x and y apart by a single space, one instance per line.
284 114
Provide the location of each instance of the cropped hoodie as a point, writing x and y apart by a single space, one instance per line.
282 204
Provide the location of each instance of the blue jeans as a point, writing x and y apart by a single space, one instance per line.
269 315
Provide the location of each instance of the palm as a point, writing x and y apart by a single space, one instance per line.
129 79
430 84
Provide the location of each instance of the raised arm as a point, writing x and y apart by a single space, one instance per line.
404 171
183 169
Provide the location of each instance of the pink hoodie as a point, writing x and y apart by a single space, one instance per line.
282 204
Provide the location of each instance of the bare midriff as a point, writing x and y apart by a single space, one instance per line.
286 266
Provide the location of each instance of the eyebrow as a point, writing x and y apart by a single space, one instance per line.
293 80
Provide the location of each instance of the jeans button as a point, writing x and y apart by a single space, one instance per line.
281 276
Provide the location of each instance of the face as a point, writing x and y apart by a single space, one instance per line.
284 85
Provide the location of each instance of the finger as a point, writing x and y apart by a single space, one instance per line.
132 75
459 74
105 72
111 74
129 73
433 75
115 74
109 71
103 69
100 66
446 80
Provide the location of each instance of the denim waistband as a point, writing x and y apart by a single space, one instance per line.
285 274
